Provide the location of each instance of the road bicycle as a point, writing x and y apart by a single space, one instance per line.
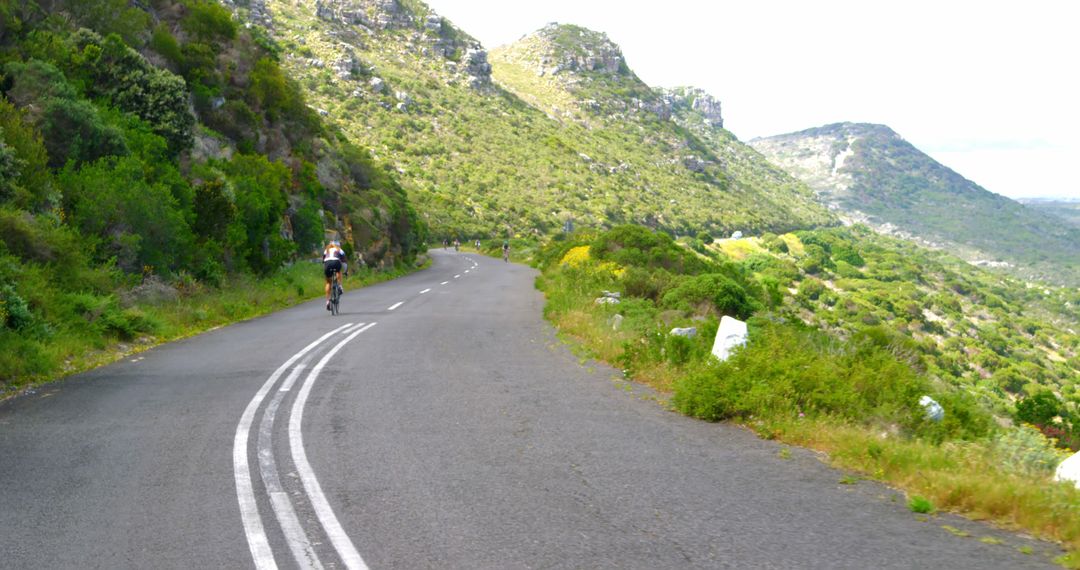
335 292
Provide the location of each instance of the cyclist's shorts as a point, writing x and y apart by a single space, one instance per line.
330 266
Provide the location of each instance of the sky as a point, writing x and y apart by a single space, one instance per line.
988 88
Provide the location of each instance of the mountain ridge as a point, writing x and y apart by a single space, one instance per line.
519 154
875 176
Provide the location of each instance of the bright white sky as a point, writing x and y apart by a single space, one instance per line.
989 88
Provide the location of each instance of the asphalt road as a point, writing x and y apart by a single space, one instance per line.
436 423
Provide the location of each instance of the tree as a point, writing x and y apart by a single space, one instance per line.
155 95
138 219
1038 409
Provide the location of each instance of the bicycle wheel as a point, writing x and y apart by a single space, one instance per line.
335 296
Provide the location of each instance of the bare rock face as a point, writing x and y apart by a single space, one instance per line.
478 68
342 11
251 11
698 101
387 14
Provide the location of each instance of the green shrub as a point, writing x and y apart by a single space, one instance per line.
35 81
27 182
785 370
259 187
14 312
645 283
711 293
1026 450
920 504
138 219
1038 409
637 246
208 21
810 289
153 94
74 131
165 44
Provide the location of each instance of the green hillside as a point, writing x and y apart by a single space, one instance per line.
152 154
485 152
870 171
1068 210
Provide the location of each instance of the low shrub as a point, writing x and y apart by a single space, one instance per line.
711 293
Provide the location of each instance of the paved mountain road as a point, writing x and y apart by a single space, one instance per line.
436 423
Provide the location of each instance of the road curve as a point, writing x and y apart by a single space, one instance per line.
436 423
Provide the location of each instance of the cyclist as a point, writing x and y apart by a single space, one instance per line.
506 251
477 245
333 263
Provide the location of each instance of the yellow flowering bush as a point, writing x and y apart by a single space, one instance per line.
576 257
579 258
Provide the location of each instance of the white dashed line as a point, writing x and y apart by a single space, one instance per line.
395 305
457 276
444 283
425 291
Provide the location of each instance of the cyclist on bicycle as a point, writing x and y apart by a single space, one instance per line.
333 261
506 251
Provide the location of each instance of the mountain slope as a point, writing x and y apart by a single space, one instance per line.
481 158
872 173
581 77
153 154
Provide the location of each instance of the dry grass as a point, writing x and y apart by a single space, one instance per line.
962 478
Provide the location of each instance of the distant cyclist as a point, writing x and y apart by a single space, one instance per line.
477 245
333 264
506 251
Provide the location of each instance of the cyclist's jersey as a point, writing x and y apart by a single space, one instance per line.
333 252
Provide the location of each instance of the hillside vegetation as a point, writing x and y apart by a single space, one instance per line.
154 154
848 331
481 150
876 176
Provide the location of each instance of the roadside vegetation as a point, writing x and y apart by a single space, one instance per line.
158 175
841 367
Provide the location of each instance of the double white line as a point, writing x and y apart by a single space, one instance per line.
297 540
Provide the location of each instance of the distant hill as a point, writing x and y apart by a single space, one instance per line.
554 129
873 175
1068 210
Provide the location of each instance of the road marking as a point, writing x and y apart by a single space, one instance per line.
261 553
456 276
346 550
294 533
468 270
288 383
395 305
444 283
425 291
352 328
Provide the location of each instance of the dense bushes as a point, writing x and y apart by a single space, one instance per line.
103 193
711 293
867 373
789 370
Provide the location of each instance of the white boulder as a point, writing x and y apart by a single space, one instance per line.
731 334
934 411
1069 470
